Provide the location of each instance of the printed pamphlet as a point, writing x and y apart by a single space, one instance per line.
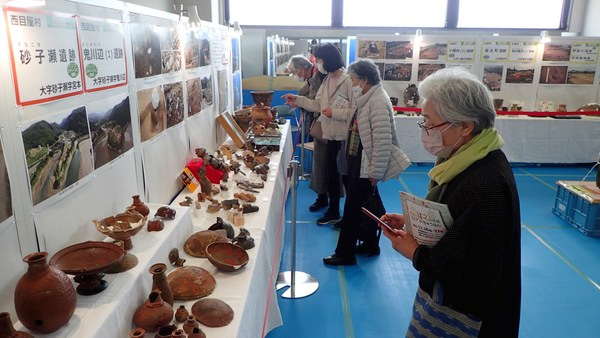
427 221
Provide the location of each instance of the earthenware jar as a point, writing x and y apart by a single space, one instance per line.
159 282
190 324
197 333
140 206
262 97
165 331
154 313
178 333
7 329
181 314
45 298
137 333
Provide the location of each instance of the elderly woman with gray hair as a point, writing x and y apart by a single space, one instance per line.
372 155
472 276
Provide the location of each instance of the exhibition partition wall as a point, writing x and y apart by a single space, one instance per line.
522 70
99 103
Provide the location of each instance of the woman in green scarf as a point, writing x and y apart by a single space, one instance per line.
475 268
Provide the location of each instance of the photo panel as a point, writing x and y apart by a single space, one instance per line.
557 52
146 50
192 49
581 75
170 47
371 49
553 75
397 72
174 102
433 51
223 89
426 69
492 76
398 50
110 128
151 112
194 96
207 90
205 52
58 152
520 74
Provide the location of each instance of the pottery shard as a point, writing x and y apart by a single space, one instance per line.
212 312
196 244
191 282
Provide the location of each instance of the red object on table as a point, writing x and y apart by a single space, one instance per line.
213 175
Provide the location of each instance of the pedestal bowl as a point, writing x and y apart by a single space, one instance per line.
88 261
121 228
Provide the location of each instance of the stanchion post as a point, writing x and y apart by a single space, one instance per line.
301 284
302 137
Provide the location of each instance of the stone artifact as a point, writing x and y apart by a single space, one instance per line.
191 282
153 314
263 151
198 205
197 333
138 332
236 168
212 312
249 208
228 204
214 190
245 196
174 258
165 212
227 256
205 185
140 206
156 224
159 282
166 331
244 240
190 324
7 329
222 186
214 207
203 154
261 159
261 169
221 224
196 244
181 314
202 197
88 261
187 202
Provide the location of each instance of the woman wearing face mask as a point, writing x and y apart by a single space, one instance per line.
335 103
372 155
476 266
304 71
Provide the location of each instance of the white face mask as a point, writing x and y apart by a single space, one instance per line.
320 68
434 143
357 91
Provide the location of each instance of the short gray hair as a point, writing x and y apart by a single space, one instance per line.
365 69
298 62
459 97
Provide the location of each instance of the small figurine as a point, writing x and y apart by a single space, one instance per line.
214 207
228 204
245 196
187 202
244 240
261 169
236 168
205 185
174 258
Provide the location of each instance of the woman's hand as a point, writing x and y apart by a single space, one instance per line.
394 220
402 242
290 99
327 112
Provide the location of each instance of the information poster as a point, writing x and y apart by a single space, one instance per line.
523 51
584 52
461 51
103 54
43 44
495 51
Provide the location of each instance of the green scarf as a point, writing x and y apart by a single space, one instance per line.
477 148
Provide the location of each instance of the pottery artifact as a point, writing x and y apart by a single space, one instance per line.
166 331
227 256
191 282
212 312
140 206
174 258
190 324
243 240
197 333
7 329
165 212
153 314
181 314
138 332
156 224
221 224
159 282
196 244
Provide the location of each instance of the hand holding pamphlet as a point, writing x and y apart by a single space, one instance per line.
425 220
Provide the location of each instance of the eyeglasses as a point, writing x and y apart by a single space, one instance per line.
424 127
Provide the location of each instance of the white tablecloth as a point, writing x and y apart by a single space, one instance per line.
250 291
527 139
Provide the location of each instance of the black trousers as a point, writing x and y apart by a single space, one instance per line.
333 185
359 190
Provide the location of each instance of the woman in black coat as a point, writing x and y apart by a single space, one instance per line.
477 263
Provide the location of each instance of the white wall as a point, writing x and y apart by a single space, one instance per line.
161 5
591 24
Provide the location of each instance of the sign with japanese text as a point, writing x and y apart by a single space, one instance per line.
103 53
461 51
584 52
45 56
523 51
494 51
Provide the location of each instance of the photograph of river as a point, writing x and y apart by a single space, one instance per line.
110 128
5 198
58 152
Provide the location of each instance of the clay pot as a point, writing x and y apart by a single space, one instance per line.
140 206
196 244
181 314
394 100
45 298
159 282
137 333
197 333
190 324
154 313
227 256
498 103
178 333
166 331
262 97
7 330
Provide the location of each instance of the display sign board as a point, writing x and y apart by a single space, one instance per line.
43 43
103 54
523 51
494 51
584 52
461 51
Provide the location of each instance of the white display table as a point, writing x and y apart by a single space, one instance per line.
527 139
250 291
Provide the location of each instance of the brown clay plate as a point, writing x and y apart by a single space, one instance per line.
191 282
226 256
212 312
87 257
196 244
